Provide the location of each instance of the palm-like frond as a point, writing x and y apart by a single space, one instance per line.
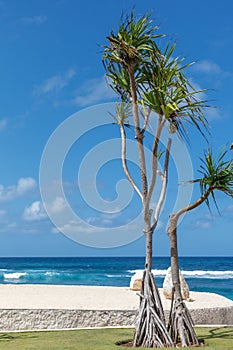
169 93
132 40
123 112
119 81
217 174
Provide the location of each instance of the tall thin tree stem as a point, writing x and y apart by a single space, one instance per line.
124 162
154 162
164 185
138 135
149 237
175 263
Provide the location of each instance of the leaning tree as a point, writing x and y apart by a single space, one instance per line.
217 175
149 80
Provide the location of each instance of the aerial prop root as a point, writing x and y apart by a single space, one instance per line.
150 329
181 325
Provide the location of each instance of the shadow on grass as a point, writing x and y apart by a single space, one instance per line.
222 333
13 336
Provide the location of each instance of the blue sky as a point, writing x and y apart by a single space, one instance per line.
50 68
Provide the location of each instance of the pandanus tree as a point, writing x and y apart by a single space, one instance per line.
149 80
127 53
217 175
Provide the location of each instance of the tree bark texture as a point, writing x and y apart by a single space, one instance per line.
150 329
180 323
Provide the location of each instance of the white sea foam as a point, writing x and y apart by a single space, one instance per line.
14 275
228 274
50 273
155 272
117 276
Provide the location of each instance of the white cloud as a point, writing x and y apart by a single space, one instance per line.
23 186
203 224
73 227
104 219
34 19
212 70
34 212
55 83
201 95
58 205
212 113
3 124
94 91
205 66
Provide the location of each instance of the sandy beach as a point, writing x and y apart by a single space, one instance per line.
90 298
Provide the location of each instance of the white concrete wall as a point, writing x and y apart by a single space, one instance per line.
12 320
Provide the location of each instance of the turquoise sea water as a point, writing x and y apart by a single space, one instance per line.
209 274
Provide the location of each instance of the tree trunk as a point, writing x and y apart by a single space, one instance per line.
180 321
150 328
149 236
175 264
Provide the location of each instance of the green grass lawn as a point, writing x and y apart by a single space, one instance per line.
100 339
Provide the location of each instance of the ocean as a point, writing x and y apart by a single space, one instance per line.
204 274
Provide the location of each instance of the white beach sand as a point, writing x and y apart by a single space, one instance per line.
90 298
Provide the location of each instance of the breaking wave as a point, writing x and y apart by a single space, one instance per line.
193 274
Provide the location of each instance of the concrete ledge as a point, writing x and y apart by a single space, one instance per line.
214 316
12 320
45 319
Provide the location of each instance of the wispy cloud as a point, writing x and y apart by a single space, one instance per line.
72 227
58 205
55 83
93 91
205 66
212 70
23 186
206 222
34 19
203 224
35 212
3 124
212 112
8 227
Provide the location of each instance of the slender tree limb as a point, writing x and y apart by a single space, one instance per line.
124 162
175 217
138 134
154 162
146 120
164 184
